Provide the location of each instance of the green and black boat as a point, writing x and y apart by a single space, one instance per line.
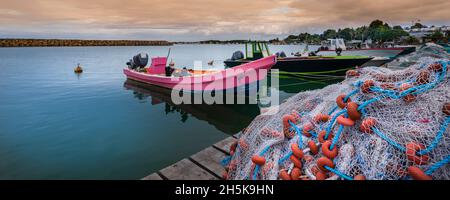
334 65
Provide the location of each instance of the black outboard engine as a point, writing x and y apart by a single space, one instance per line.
237 55
338 51
281 54
138 61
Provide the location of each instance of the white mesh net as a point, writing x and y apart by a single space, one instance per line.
401 132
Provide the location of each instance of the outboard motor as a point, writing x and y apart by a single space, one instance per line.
281 54
138 61
237 55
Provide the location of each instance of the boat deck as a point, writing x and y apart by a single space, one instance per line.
204 165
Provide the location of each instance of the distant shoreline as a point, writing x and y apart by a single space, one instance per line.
8 42
79 43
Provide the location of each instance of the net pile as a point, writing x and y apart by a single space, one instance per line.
376 124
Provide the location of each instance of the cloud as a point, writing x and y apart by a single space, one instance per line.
363 11
202 19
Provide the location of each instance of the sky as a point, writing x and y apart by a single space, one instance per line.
194 20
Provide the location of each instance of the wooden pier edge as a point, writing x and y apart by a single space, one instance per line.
204 165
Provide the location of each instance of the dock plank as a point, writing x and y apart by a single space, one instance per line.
153 176
186 170
210 158
225 144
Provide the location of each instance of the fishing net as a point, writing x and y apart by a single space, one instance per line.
376 124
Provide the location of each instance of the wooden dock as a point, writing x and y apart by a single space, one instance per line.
204 165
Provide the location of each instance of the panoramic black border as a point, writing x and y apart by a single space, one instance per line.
282 189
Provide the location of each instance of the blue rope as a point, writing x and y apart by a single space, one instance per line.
285 157
333 120
413 90
336 137
226 161
255 173
366 103
264 150
437 138
297 130
314 134
332 110
340 174
351 94
438 165
379 133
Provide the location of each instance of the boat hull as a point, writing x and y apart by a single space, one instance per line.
313 66
407 50
376 52
377 62
242 75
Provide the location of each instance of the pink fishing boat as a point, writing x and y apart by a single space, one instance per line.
202 80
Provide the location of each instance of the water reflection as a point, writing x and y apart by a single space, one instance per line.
228 118
295 83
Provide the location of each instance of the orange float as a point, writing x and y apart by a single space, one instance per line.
417 174
409 97
352 111
284 175
233 146
306 128
324 161
258 160
327 152
345 121
352 73
276 134
288 133
340 101
287 118
446 109
296 116
411 153
225 175
296 161
322 135
296 173
321 176
297 151
359 177
315 169
367 124
436 67
313 147
423 78
365 87
243 144
321 117
387 86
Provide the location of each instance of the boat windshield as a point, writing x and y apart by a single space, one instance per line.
249 50
265 50
256 50
337 43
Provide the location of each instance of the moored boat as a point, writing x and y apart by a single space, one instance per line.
330 48
201 80
336 65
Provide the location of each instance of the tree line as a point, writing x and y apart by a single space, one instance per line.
378 31
57 42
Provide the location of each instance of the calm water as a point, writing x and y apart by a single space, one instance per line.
57 125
